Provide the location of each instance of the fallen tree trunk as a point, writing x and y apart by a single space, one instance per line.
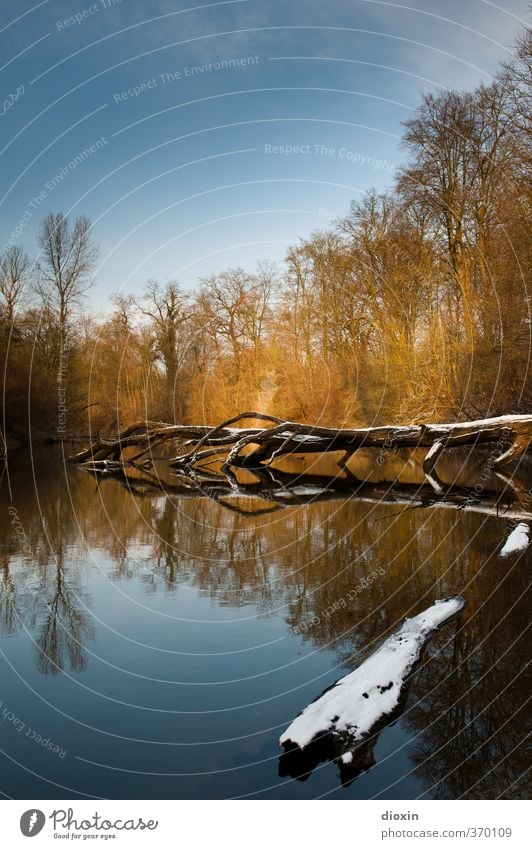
510 436
147 435
511 433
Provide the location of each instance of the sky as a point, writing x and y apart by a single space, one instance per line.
199 135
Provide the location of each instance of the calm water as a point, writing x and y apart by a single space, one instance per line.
162 644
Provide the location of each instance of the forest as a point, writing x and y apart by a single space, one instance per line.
411 307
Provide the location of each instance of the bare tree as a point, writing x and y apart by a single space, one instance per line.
461 162
235 305
168 309
124 305
440 179
14 275
68 255
516 76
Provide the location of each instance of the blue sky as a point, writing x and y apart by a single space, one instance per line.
195 104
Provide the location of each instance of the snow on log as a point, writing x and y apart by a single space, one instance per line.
517 541
351 708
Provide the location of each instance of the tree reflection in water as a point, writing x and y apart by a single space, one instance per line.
464 709
8 619
63 626
41 591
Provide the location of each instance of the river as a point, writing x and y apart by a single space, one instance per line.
156 645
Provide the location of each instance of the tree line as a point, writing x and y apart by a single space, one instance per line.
412 306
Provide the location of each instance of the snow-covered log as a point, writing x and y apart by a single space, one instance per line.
349 711
510 435
517 541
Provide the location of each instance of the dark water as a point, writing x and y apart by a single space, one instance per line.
162 644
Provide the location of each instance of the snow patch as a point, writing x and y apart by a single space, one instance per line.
299 437
517 541
358 701
307 490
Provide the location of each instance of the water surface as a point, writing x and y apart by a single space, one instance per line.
157 646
